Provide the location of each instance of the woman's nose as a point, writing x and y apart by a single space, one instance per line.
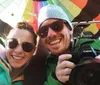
19 49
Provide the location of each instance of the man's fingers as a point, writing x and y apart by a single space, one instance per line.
97 58
66 64
64 78
64 72
64 57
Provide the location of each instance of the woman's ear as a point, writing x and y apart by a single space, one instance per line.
36 47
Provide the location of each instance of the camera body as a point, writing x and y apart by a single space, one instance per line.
85 49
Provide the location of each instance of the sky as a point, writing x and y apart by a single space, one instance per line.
11 10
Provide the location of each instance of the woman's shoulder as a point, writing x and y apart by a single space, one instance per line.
2 51
3 61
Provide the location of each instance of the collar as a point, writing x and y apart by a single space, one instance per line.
51 59
18 78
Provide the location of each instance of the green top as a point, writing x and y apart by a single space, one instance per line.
5 76
17 83
51 64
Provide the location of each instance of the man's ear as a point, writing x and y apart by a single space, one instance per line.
71 32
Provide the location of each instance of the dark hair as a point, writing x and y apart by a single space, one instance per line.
67 25
27 26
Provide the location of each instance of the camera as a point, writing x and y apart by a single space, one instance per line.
85 47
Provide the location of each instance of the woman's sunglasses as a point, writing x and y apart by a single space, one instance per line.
13 43
57 26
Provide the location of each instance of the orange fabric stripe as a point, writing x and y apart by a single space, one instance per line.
98 18
80 3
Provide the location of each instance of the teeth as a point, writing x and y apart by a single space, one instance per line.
17 58
54 42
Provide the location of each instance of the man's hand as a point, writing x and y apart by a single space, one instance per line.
64 67
97 58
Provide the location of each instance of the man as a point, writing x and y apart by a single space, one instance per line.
55 30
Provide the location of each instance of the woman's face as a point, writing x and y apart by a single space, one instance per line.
17 56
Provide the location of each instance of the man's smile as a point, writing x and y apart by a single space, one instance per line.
55 42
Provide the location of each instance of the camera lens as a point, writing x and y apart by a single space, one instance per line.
85 74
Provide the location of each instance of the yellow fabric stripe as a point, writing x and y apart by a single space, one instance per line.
28 10
93 28
71 7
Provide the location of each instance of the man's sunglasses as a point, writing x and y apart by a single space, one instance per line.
13 43
56 26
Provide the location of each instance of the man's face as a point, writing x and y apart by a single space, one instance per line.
15 52
56 41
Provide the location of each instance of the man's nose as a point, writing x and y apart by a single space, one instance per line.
51 32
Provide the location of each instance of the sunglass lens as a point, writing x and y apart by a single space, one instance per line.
57 26
43 31
12 43
28 47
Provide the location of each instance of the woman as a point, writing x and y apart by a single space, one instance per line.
21 44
